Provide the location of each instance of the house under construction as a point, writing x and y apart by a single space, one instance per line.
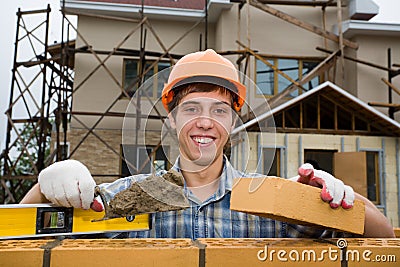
321 77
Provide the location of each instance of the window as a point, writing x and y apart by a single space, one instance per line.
291 68
373 176
271 161
163 70
320 159
131 72
270 82
265 77
138 157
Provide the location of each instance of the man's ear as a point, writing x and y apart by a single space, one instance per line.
172 120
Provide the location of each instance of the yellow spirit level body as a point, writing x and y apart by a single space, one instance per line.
35 220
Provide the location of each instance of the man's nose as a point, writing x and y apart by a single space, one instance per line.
205 122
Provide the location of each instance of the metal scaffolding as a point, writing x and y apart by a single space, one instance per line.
48 106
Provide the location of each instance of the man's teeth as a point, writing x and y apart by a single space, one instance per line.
202 140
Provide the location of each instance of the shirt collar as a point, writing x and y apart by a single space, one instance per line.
226 178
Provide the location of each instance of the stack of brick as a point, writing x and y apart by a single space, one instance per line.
202 252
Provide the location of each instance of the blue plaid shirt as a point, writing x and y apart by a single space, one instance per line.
211 218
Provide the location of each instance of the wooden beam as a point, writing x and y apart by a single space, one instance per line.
292 121
231 52
384 105
301 116
270 65
331 131
322 66
335 117
324 25
358 60
391 86
158 39
302 24
318 112
276 99
308 58
341 39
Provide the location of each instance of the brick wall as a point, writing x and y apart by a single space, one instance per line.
202 252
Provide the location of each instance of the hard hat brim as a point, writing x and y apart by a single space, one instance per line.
233 86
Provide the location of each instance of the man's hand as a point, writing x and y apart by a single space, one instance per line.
67 183
334 190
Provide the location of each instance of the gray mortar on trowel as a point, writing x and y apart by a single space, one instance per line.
153 194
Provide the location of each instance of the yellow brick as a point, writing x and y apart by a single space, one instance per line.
216 252
22 253
270 252
397 231
294 202
125 252
372 252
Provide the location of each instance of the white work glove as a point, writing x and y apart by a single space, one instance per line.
67 183
333 191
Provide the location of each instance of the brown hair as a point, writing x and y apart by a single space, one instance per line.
183 90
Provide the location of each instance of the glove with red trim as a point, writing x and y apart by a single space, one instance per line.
67 183
333 191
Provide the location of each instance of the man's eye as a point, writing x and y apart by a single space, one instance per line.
191 109
220 111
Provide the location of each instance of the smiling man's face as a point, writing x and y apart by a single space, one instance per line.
203 122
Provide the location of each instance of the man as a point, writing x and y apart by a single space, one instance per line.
202 97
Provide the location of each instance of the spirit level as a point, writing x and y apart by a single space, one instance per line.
32 220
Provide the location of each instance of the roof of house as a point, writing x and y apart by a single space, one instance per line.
184 4
378 123
187 10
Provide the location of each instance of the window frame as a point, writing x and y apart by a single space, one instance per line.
156 93
275 60
378 175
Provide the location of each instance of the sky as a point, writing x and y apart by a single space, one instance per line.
388 13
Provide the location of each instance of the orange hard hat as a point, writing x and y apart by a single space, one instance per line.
208 67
